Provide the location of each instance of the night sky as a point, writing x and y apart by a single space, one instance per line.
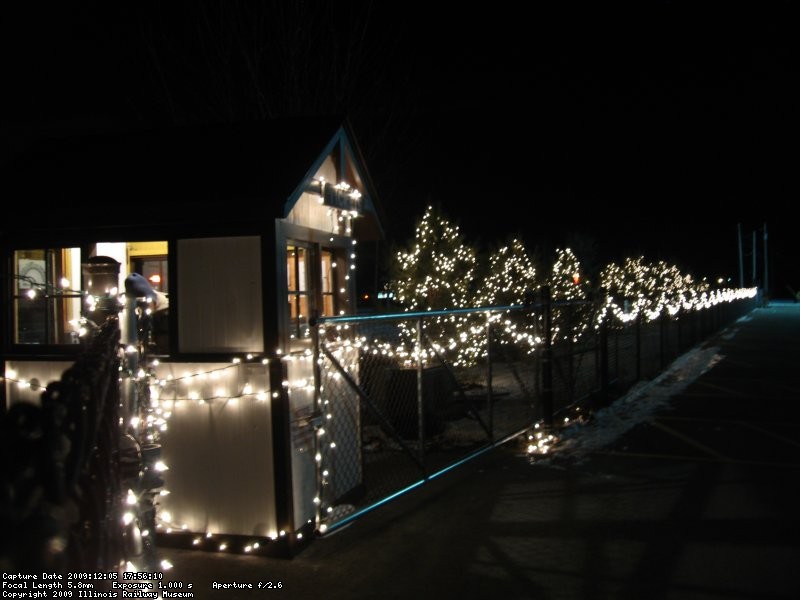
650 128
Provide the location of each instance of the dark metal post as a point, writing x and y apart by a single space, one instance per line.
741 257
315 341
420 398
603 350
489 399
547 358
662 341
570 320
282 448
639 347
766 269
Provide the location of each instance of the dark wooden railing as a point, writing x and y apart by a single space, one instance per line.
61 502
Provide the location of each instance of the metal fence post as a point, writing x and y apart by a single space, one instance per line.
603 350
639 347
420 398
315 341
489 398
547 358
569 310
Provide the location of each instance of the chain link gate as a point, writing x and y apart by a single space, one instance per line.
395 407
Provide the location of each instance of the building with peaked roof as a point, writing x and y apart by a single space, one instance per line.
244 233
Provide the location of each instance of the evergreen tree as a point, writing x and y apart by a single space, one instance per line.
566 282
437 272
510 280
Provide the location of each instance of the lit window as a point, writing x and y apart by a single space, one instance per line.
298 295
151 260
46 296
328 298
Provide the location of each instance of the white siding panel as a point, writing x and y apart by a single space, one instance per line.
308 212
304 468
219 295
219 451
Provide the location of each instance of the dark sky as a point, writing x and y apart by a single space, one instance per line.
652 127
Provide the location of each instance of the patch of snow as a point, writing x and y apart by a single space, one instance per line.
640 403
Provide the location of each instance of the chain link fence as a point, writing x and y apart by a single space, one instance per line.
405 397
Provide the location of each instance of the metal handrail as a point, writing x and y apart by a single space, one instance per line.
442 312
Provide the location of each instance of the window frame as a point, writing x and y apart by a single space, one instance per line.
55 303
296 295
332 281
9 337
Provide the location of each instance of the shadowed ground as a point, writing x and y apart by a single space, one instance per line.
698 502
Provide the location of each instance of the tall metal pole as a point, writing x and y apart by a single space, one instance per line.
741 257
766 271
755 248
489 395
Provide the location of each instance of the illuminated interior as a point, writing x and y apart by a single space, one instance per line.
303 295
328 298
150 260
297 287
46 299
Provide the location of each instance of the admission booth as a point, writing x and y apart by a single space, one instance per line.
243 233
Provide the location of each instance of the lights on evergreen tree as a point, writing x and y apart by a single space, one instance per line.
437 272
569 292
640 289
565 278
510 280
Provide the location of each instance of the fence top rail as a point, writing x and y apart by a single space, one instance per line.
438 313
